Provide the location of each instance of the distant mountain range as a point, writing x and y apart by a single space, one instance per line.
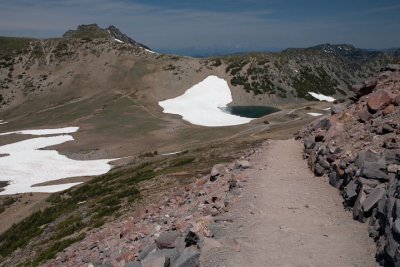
27 65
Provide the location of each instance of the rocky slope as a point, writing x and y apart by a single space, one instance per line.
93 31
358 147
69 67
159 211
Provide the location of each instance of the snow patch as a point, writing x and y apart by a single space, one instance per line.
150 51
65 130
118 41
2 122
327 109
172 153
315 114
200 104
322 97
26 165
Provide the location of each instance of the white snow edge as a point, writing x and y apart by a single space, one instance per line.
65 130
200 104
322 97
150 51
26 164
172 153
315 114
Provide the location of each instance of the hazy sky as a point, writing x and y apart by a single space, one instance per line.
240 25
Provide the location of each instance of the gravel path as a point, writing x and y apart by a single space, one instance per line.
288 217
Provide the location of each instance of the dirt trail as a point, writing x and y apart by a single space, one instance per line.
288 217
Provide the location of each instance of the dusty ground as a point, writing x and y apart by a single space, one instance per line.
89 144
288 217
24 206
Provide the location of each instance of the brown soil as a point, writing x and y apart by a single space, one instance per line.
26 205
288 217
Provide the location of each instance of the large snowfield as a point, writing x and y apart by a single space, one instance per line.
202 103
45 131
26 164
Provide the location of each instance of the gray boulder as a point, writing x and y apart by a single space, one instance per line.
374 170
167 239
335 180
133 264
156 260
146 251
309 142
242 164
335 109
350 193
368 156
324 163
319 170
189 258
373 199
358 213
216 171
392 156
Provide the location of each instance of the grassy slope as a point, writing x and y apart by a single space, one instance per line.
104 198
295 72
9 45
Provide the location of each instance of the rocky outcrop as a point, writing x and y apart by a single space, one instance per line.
358 148
93 31
172 233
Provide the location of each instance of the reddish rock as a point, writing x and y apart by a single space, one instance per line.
397 100
389 110
127 256
201 181
334 131
379 100
364 115
346 117
366 88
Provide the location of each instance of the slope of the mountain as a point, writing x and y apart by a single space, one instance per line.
93 31
40 67
109 85
293 73
358 147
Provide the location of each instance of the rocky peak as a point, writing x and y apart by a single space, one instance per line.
93 31
119 36
345 50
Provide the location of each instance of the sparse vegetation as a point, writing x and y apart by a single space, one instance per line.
7 202
12 45
310 81
102 198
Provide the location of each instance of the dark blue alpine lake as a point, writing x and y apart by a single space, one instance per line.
250 111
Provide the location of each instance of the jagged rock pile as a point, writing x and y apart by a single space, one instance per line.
358 148
93 31
172 232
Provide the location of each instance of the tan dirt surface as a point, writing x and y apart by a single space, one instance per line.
288 217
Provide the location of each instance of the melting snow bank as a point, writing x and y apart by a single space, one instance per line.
45 131
200 105
26 165
150 51
322 97
172 153
315 114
